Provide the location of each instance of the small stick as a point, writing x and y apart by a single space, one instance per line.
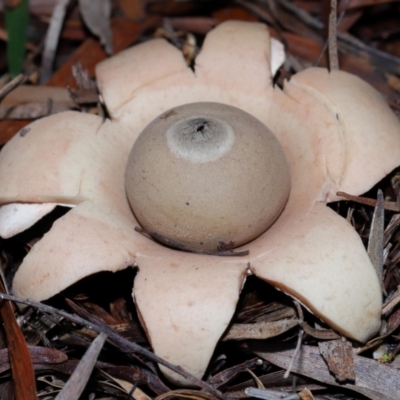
387 205
299 340
179 246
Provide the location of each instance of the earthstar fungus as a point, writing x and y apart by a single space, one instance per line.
337 134
208 176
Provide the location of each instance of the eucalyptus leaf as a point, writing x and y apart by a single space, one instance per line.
96 15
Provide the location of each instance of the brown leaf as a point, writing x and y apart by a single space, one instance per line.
187 394
20 360
227 374
338 355
305 394
324 334
39 355
133 9
394 321
90 52
260 330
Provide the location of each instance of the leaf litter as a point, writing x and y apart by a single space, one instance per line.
267 324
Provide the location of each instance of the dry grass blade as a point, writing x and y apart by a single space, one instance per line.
256 379
20 359
78 380
373 380
375 242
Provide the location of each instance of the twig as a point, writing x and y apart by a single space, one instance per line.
339 20
179 246
295 354
18 80
299 339
387 205
332 37
118 341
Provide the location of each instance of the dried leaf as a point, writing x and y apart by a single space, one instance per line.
265 394
226 375
77 381
33 110
90 52
324 334
20 360
375 242
256 380
128 388
133 9
277 380
338 355
374 380
39 355
96 15
388 205
392 302
305 394
260 330
34 94
187 394
394 321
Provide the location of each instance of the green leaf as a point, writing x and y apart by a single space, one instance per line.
17 19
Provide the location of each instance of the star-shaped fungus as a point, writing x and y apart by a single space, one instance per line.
336 132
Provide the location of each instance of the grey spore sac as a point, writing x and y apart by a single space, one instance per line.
200 139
